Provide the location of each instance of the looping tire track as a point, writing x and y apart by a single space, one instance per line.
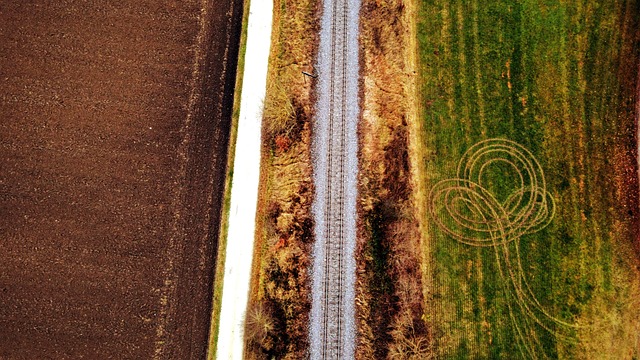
466 210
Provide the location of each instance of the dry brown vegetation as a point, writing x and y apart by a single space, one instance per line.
390 303
278 313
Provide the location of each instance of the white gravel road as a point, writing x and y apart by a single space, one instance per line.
244 188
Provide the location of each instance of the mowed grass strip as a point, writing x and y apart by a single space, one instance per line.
553 77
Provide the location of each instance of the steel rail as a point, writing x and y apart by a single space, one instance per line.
332 292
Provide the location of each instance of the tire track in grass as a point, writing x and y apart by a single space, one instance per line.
466 209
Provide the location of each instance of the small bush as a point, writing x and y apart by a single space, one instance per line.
259 324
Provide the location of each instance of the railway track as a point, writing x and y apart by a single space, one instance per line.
332 333
333 269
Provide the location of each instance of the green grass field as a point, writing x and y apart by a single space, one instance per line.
537 261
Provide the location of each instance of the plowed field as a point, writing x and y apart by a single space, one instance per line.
114 121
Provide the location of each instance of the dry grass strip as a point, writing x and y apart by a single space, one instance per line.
390 306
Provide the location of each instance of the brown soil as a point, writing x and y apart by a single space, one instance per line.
625 157
113 141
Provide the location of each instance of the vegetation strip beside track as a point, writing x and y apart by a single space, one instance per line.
278 312
390 303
